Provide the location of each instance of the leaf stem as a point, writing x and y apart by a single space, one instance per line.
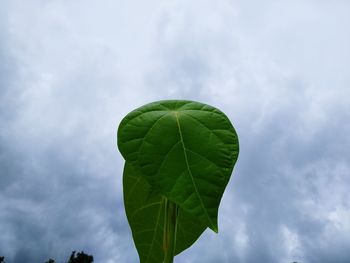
170 229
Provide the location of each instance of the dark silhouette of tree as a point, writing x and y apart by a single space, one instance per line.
50 261
81 257
2 259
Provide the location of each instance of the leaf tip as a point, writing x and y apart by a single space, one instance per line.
215 229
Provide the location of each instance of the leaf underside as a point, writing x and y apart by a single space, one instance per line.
145 213
184 151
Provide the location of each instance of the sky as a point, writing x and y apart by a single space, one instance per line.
71 70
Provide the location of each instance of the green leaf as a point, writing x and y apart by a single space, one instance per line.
185 150
145 213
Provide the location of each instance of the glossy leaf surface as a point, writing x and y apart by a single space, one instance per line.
145 212
185 151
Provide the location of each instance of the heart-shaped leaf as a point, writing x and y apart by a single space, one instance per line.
185 150
146 212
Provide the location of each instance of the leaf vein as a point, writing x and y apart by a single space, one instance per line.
143 207
190 173
154 233
201 123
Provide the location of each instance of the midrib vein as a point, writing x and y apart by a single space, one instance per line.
189 170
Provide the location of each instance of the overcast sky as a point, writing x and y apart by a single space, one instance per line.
71 69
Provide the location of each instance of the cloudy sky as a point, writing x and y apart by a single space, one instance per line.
71 69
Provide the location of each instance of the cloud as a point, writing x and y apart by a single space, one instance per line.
69 71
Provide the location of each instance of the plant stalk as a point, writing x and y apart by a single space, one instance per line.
170 229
